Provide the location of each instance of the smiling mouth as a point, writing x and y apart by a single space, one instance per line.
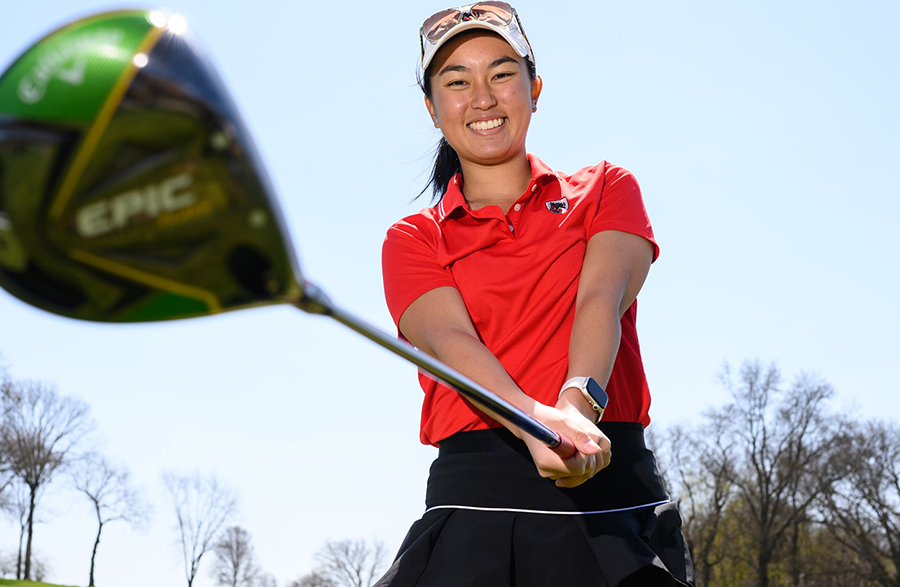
487 124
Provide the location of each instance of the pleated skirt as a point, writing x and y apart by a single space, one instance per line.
492 521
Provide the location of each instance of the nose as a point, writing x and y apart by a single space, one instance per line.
483 96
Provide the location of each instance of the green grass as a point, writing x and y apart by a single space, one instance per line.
14 583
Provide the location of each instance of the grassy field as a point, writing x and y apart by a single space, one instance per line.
13 583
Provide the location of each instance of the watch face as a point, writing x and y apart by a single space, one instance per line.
596 392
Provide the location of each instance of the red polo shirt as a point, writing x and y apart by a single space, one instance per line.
518 275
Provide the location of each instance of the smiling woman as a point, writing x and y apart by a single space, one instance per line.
525 279
481 95
506 73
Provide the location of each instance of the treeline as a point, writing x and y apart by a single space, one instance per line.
47 439
777 488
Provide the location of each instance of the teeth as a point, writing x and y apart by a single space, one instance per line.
486 124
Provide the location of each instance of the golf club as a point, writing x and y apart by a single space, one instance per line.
130 191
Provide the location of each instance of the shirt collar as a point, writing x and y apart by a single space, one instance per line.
453 198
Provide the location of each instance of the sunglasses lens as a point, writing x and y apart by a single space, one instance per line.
438 24
496 13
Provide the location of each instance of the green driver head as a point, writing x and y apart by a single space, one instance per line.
130 189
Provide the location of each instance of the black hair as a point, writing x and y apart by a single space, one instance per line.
446 161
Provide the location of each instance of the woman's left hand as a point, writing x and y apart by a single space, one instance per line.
596 462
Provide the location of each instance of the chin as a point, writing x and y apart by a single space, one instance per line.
493 157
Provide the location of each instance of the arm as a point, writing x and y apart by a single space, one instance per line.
438 323
615 267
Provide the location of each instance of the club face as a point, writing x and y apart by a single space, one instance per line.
130 190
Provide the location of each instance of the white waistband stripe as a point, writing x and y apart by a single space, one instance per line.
548 512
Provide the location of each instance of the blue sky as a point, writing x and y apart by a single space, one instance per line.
765 137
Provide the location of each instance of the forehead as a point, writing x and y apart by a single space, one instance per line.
470 46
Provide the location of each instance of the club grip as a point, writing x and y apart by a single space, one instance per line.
565 449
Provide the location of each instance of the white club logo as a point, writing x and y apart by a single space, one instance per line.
67 62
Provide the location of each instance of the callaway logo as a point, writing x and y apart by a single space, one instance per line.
558 206
66 62
105 216
74 75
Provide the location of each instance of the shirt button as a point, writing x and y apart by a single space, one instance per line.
534 188
517 207
511 228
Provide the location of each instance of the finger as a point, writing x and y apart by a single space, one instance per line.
569 482
554 471
581 466
575 466
585 444
606 459
593 465
547 473
604 443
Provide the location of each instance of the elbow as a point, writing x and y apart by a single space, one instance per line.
609 304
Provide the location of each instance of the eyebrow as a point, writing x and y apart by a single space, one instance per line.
463 69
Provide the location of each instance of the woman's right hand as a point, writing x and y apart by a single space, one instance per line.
592 446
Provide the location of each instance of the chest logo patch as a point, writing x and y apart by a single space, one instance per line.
558 206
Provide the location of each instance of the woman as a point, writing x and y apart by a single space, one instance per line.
525 280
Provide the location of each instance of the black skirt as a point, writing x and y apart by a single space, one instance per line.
492 521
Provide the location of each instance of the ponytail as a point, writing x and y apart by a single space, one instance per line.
446 161
446 165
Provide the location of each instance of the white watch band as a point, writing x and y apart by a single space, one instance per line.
576 382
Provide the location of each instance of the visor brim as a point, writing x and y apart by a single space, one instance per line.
520 46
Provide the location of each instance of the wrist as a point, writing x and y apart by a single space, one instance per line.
586 395
571 399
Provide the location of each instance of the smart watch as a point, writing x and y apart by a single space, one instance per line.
592 392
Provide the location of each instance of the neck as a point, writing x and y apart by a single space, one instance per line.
496 185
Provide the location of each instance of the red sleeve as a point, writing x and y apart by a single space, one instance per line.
622 207
409 263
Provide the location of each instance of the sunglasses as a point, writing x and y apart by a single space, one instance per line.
498 16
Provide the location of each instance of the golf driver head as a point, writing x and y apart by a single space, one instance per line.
130 189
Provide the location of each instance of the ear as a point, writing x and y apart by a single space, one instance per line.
432 112
537 85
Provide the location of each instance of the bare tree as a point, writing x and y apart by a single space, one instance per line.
697 466
782 440
8 566
41 569
41 432
112 496
234 564
202 506
347 563
862 511
776 489
265 580
313 579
